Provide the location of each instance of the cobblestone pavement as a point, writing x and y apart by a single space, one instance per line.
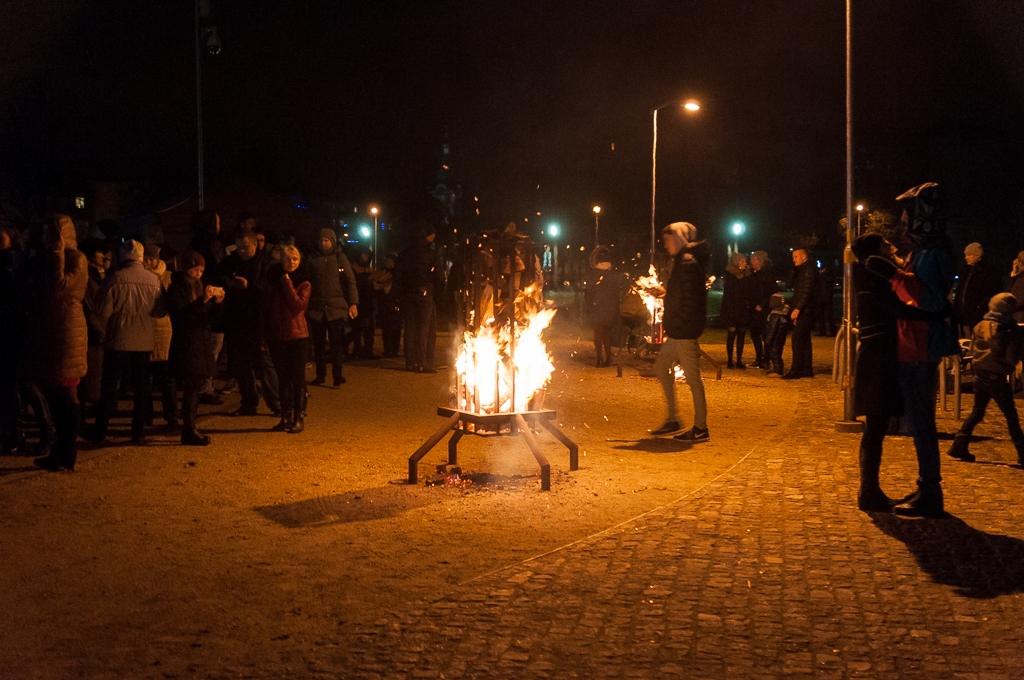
767 571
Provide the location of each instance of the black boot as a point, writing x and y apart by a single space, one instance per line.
194 438
1019 445
299 425
960 450
286 421
927 502
870 497
68 440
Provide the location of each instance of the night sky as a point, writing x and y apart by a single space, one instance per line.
352 101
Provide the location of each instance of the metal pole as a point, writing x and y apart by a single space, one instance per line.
376 255
849 422
654 179
199 105
597 229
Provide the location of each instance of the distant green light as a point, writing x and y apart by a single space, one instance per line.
365 231
553 229
737 228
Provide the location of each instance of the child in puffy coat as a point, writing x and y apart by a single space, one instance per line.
778 327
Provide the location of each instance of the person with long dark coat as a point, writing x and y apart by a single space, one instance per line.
877 394
604 292
762 286
735 313
193 307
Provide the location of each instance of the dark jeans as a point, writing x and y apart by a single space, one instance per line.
67 412
739 337
319 332
758 327
918 384
802 330
190 387
363 332
603 339
247 362
290 364
116 365
420 332
168 391
993 388
391 334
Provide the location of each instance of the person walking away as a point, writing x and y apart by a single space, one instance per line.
802 307
158 367
388 311
736 296
603 295
132 300
206 240
778 326
877 394
998 346
1017 286
242 275
926 282
762 287
420 277
683 321
193 306
287 298
826 313
333 300
977 282
57 338
363 330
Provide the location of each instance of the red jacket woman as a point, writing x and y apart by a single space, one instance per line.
287 297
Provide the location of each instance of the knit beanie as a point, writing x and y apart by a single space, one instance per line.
131 251
151 251
330 235
974 250
685 231
192 259
1002 303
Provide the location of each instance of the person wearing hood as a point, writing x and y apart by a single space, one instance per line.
925 282
158 367
419 278
388 312
762 287
604 292
287 299
333 300
735 315
998 347
976 283
132 299
57 340
683 321
363 329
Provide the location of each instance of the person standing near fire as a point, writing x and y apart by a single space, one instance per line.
685 315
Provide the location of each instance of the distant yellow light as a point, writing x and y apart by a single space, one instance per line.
597 209
582 248
860 207
373 211
692 105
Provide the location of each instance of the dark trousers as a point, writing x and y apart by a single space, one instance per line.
116 365
10 405
993 388
363 332
391 333
918 385
319 333
420 332
758 328
826 317
66 412
603 339
163 379
739 337
290 363
247 363
775 352
802 330
190 388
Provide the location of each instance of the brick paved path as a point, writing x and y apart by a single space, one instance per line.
768 571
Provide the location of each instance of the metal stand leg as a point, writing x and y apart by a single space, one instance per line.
574 451
545 467
453 443
414 459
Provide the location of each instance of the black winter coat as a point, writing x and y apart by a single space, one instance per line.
975 287
762 287
419 273
736 298
603 297
192 343
686 295
333 286
805 286
242 311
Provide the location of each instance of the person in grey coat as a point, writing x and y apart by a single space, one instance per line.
132 299
333 300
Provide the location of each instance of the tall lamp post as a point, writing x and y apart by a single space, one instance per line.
597 225
849 423
860 211
374 211
553 230
213 45
689 105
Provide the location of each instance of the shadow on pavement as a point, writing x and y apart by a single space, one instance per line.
655 445
353 506
976 563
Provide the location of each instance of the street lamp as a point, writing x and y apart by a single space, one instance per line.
737 230
374 211
597 226
554 231
860 211
690 106
364 231
213 45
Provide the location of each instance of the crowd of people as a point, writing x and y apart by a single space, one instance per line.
81 325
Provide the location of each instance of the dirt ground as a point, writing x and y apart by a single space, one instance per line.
169 561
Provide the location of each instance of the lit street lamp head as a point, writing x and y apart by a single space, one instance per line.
597 209
373 211
737 228
691 105
553 230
